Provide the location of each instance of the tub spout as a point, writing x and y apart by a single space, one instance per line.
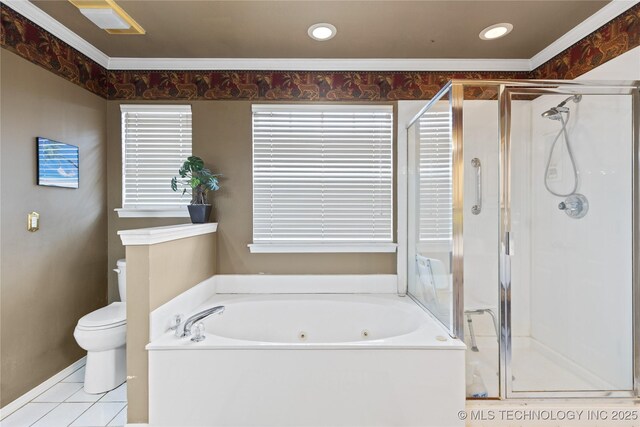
186 331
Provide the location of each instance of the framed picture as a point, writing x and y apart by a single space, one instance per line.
58 164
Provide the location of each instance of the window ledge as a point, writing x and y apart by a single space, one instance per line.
289 248
153 213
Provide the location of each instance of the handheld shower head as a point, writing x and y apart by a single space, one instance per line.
554 112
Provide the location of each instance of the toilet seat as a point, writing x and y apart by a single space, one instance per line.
111 316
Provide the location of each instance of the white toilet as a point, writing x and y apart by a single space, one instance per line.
103 334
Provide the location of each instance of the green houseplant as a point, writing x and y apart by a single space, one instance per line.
195 176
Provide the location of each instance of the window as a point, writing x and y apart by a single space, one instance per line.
156 140
435 177
322 178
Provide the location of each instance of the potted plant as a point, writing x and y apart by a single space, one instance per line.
194 175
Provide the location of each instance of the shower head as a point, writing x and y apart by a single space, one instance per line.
554 113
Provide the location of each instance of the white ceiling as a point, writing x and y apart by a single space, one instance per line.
109 56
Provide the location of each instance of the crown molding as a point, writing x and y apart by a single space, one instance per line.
39 17
601 17
582 30
318 64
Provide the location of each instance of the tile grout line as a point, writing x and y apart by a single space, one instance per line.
32 400
58 403
83 412
75 419
100 400
116 416
52 409
91 406
118 413
48 412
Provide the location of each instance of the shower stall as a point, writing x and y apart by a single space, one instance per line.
523 233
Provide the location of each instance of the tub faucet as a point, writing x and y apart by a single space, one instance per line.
186 331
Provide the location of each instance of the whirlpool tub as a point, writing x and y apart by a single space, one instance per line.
309 360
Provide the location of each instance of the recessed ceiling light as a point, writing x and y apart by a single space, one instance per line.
322 32
496 31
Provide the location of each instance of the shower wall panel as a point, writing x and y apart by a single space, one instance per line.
481 232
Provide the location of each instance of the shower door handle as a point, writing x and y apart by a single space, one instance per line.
505 270
477 208
505 260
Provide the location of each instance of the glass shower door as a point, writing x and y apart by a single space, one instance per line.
570 185
453 196
431 221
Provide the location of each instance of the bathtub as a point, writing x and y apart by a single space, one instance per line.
309 360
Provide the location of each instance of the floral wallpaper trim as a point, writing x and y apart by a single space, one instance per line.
616 37
290 85
33 43
28 40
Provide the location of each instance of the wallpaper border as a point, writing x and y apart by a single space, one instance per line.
26 39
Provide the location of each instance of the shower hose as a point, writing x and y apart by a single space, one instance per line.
564 132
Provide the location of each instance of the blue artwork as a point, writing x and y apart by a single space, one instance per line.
58 164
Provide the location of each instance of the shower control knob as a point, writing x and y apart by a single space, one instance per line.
575 206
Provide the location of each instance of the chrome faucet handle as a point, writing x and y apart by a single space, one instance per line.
191 321
176 321
199 333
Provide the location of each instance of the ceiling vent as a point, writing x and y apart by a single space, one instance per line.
107 15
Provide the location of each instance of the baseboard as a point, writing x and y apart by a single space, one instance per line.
34 392
137 425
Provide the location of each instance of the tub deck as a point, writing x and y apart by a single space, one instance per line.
426 333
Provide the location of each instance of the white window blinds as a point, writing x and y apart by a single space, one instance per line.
156 140
322 174
435 184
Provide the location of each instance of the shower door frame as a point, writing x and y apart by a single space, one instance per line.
506 90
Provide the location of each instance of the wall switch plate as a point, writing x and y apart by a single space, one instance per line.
33 221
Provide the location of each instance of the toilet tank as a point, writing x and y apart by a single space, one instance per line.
122 279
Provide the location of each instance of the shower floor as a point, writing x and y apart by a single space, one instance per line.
533 366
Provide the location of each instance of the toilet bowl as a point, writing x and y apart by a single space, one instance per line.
103 334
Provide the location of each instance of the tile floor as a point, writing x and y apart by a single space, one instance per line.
67 405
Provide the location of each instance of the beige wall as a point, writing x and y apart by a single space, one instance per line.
114 199
155 275
48 279
222 137
59 272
